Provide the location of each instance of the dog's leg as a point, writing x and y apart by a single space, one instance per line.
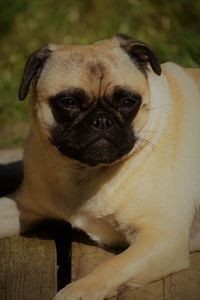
154 255
9 216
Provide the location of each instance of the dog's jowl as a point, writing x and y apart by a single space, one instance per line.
114 150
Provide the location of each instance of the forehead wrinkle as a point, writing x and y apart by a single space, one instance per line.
100 84
106 88
96 70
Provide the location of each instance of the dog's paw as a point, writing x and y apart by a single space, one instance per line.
82 290
9 217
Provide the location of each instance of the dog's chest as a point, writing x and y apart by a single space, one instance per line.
104 231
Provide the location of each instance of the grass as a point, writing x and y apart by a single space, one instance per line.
171 27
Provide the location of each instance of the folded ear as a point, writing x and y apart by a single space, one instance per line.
32 70
140 52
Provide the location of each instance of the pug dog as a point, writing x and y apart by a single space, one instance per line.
114 149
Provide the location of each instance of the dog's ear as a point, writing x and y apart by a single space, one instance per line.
140 52
32 70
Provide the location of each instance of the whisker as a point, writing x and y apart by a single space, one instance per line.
147 142
157 107
145 131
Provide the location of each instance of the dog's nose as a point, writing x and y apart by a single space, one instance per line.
102 123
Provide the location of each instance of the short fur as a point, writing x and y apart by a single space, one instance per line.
149 197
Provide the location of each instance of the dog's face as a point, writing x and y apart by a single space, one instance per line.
90 101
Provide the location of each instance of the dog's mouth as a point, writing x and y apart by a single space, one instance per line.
101 151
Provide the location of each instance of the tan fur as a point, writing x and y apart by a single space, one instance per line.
149 198
195 74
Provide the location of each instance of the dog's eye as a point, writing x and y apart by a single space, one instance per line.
69 103
130 102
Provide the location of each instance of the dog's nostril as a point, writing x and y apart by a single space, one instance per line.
102 123
96 123
108 123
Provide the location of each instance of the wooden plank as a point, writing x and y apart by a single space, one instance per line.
27 269
184 285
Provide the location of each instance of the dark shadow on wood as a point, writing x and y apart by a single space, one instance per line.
11 176
60 232
63 246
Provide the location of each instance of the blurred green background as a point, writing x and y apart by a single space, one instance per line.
171 27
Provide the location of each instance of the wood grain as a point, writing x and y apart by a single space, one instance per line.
27 269
184 285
